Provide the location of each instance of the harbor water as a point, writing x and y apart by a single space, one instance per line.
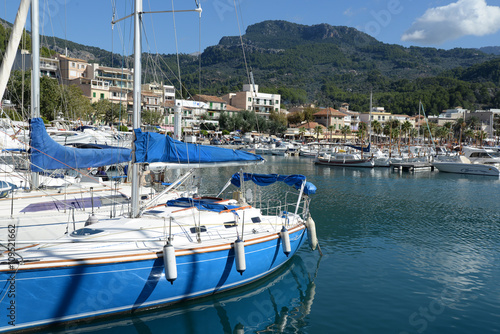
403 252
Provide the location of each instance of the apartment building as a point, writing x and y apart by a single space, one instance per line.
332 117
116 77
215 105
380 115
151 101
49 67
250 99
95 90
72 68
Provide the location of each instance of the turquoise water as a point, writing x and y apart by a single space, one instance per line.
402 253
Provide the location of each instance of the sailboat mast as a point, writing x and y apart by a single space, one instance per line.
35 72
419 122
137 105
370 118
15 38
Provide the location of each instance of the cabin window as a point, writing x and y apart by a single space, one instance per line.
83 232
256 220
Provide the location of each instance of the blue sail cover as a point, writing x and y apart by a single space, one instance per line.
294 180
200 204
365 149
154 147
47 154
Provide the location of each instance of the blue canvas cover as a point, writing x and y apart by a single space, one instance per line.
365 149
200 204
47 154
294 180
154 147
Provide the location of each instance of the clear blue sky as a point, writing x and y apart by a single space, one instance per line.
438 23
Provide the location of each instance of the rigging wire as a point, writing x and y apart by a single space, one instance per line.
249 73
241 41
154 37
199 49
177 50
61 89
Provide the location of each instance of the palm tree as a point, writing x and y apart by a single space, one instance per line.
433 128
363 127
413 134
468 134
302 131
396 127
429 131
473 122
318 130
330 130
387 130
441 133
458 128
361 135
362 131
377 128
405 127
449 127
482 135
345 131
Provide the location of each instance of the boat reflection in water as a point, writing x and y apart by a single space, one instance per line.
276 303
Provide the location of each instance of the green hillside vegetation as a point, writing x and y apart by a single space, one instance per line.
325 65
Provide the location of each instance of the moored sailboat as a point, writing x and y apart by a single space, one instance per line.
159 253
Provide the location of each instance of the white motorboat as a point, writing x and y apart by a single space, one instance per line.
476 161
482 155
463 165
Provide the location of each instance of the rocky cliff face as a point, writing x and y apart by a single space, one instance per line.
283 35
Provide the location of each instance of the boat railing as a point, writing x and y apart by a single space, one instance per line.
286 208
273 208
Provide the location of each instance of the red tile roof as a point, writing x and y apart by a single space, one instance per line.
208 98
330 112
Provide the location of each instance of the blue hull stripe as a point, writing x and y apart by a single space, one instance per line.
57 294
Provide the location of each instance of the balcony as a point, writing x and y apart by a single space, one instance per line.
48 66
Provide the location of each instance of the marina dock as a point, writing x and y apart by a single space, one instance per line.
411 166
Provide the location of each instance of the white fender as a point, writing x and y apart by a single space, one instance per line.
311 233
239 256
285 241
170 263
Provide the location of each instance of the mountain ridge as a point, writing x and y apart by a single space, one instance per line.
320 63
